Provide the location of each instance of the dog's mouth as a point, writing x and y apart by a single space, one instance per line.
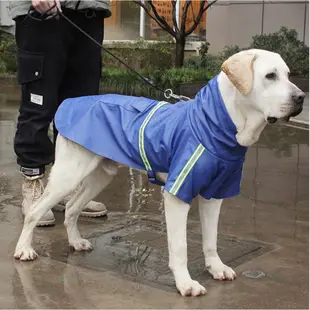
296 112
271 120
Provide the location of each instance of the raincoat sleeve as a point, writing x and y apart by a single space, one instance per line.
187 174
228 186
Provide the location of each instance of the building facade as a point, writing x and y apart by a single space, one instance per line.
227 22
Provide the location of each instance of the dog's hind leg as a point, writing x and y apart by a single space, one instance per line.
91 186
73 163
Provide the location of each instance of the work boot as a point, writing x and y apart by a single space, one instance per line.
92 209
32 190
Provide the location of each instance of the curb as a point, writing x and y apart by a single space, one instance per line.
298 124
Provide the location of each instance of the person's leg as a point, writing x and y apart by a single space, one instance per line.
83 71
41 56
82 76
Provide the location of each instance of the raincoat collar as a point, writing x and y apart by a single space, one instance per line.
212 124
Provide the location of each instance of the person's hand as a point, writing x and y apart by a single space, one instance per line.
43 6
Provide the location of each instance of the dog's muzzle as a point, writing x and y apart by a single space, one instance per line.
298 100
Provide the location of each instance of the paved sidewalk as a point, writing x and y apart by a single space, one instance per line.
264 236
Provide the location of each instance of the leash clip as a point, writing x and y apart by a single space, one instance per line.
168 93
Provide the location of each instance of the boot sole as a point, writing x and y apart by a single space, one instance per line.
46 223
61 208
94 214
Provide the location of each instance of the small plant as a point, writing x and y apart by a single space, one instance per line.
125 82
229 51
172 78
204 48
142 54
210 63
7 53
284 42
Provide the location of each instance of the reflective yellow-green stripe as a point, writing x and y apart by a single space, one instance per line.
141 135
186 170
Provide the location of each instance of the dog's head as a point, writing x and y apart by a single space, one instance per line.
262 77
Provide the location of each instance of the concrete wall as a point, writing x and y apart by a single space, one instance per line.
235 22
6 22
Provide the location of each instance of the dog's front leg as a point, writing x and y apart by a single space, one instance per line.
209 214
176 219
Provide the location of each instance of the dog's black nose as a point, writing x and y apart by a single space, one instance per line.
298 98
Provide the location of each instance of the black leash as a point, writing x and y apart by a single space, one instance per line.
32 13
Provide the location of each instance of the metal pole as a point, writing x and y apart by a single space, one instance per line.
177 12
263 17
142 22
305 18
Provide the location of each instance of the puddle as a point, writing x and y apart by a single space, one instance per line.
137 251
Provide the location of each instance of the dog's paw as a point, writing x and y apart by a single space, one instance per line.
82 245
220 271
191 288
25 253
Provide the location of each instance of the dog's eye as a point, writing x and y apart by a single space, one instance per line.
271 76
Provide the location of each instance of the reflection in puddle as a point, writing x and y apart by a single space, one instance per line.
141 193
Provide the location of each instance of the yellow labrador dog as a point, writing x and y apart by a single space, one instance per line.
201 153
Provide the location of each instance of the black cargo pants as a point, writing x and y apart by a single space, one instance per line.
55 62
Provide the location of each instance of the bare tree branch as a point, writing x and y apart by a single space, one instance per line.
209 4
174 14
162 20
197 19
177 31
202 9
159 22
184 15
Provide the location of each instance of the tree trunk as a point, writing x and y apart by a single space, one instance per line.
179 52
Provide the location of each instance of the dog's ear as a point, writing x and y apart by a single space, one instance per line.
239 69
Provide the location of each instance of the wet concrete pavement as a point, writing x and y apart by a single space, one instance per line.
265 229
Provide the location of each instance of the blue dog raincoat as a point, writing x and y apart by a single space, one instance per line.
193 141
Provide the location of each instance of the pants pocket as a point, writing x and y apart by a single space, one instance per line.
29 66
